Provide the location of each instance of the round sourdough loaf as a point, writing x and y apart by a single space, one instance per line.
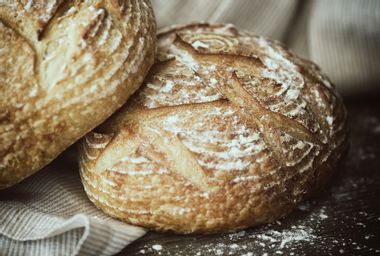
229 130
65 66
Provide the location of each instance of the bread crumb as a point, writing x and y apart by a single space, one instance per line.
157 247
323 216
329 120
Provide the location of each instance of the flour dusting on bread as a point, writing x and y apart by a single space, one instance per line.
243 128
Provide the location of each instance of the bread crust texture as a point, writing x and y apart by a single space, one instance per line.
229 130
65 66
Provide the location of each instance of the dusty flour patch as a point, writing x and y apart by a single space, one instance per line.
297 233
271 238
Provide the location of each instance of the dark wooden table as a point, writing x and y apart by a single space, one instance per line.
345 220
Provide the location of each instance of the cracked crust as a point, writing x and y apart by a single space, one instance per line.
229 130
65 66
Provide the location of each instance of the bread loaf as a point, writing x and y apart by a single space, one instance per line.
229 130
65 66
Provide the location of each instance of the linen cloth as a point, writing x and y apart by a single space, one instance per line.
49 213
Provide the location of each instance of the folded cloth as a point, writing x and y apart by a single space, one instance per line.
341 36
50 214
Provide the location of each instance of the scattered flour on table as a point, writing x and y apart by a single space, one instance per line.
272 238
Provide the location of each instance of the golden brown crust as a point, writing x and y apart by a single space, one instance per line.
229 130
65 66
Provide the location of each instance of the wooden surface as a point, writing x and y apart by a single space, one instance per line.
345 220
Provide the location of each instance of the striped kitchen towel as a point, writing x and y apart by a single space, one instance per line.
50 214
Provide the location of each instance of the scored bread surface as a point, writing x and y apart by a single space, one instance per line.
65 66
229 130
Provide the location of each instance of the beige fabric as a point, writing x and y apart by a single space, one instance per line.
49 214
341 36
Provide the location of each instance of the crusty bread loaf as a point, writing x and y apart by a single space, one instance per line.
229 130
65 66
